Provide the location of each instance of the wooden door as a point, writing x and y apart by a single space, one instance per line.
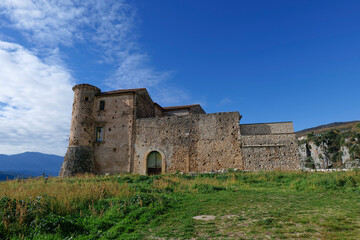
154 163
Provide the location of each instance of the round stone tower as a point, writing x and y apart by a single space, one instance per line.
79 157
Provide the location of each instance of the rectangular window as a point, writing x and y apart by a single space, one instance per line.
102 105
99 134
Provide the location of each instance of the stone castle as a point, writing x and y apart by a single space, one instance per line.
124 131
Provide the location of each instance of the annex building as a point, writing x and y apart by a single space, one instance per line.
124 131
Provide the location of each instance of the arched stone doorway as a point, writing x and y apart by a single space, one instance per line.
154 163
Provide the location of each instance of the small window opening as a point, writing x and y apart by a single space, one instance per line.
99 134
102 105
86 98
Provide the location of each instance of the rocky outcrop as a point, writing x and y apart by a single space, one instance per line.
313 156
329 146
318 156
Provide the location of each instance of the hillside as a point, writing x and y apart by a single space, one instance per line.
30 164
335 145
237 205
344 126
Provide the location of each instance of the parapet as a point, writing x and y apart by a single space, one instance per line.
267 128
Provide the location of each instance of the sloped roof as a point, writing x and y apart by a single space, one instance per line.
180 107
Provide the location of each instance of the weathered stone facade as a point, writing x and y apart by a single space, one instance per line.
192 143
115 132
269 146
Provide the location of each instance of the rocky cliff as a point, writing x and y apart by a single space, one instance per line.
334 148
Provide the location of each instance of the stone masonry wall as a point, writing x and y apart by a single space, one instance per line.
266 128
270 152
82 120
113 154
79 156
196 110
78 159
144 105
193 143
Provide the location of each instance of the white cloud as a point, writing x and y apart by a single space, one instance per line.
168 95
36 96
106 27
134 72
44 22
35 99
50 23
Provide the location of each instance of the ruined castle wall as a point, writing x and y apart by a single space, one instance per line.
266 128
112 155
269 147
193 143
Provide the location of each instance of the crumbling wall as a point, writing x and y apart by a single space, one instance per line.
269 147
193 143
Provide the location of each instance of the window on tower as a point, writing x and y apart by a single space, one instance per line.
99 134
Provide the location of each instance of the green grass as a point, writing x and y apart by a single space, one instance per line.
247 205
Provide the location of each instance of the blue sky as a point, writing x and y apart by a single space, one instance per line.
270 60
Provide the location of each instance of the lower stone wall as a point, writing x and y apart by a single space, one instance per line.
78 159
270 152
193 143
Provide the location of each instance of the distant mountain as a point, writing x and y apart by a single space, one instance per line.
8 176
327 127
30 164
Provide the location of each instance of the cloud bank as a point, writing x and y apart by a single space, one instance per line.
35 102
36 96
50 23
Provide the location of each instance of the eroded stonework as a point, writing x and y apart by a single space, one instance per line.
115 132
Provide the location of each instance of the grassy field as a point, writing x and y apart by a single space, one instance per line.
246 205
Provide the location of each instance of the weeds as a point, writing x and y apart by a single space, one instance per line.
135 207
